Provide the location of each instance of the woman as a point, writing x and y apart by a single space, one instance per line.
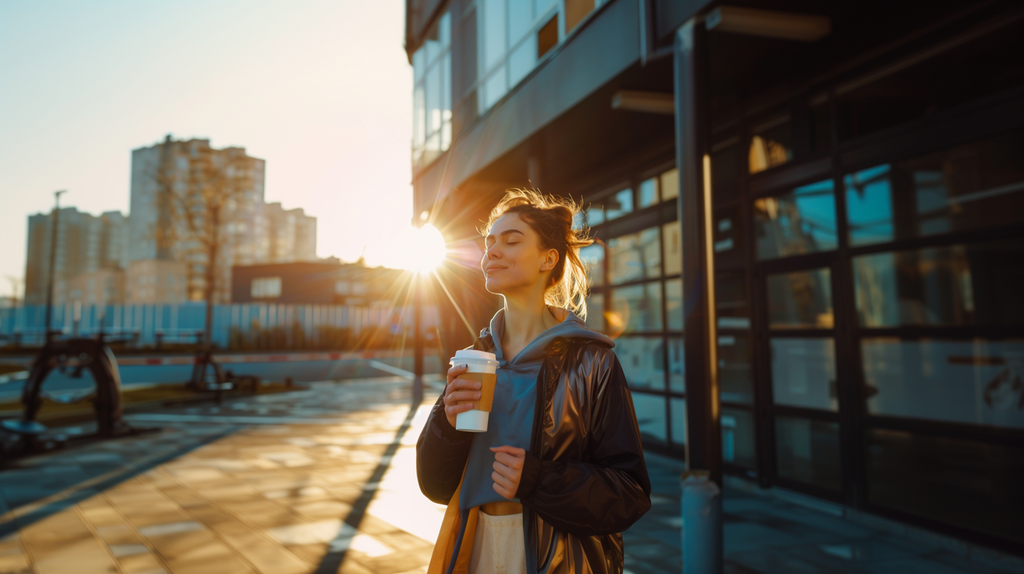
560 473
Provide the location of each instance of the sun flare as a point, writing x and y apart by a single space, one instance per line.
419 250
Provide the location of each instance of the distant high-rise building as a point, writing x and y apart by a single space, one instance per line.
189 168
290 235
85 244
251 231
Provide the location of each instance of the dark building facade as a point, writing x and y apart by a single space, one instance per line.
811 225
320 283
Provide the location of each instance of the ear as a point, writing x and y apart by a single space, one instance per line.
549 261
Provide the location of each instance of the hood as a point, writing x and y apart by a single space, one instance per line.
572 327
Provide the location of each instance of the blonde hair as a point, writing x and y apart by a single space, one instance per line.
552 218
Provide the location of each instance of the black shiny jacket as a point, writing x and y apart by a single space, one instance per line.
584 479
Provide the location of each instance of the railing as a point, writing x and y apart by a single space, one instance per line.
242 326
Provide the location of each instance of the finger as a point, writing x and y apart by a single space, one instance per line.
509 460
503 491
504 470
456 409
502 481
514 451
461 396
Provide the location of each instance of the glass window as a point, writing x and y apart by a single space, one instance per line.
808 451
674 304
911 472
737 437
593 257
801 221
671 235
727 237
678 407
636 308
669 184
804 373
980 184
575 11
492 13
595 312
648 192
975 284
541 7
520 20
618 204
547 36
494 89
634 256
265 287
521 62
801 300
432 95
974 382
771 145
595 214
642 360
732 301
676 366
735 369
650 416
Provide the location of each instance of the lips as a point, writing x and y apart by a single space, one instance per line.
493 268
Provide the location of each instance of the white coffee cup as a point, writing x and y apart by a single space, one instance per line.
482 367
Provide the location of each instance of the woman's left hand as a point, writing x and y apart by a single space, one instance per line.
508 469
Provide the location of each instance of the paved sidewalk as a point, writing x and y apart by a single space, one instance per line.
324 481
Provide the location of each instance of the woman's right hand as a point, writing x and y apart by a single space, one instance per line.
459 390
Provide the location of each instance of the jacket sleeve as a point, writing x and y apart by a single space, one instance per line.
441 454
609 491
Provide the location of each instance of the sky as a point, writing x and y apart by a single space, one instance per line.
320 89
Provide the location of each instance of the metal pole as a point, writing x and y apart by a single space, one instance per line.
53 261
417 326
702 528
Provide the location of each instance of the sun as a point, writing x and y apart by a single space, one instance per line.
427 251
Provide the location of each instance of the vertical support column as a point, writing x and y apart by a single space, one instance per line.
703 440
703 425
417 327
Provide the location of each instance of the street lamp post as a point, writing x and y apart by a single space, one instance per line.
53 260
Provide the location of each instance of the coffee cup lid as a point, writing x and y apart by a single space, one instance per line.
473 354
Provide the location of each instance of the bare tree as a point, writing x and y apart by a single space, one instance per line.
200 192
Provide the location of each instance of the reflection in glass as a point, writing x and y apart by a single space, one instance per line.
642 360
771 146
980 184
978 382
520 18
737 437
676 366
808 451
869 205
975 284
804 373
735 372
648 192
910 472
728 238
650 416
593 258
521 62
801 300
671 236
634 256
595 312
669 184
492 30
494 88
636 308
801 221
619 204
674 304
678 407
731 300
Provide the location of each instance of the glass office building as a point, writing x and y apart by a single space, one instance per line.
866 227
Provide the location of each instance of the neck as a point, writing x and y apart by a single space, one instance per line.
525 320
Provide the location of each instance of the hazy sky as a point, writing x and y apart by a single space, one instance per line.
320 89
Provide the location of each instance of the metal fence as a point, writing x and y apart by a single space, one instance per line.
243 326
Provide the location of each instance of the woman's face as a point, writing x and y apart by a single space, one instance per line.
514 260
